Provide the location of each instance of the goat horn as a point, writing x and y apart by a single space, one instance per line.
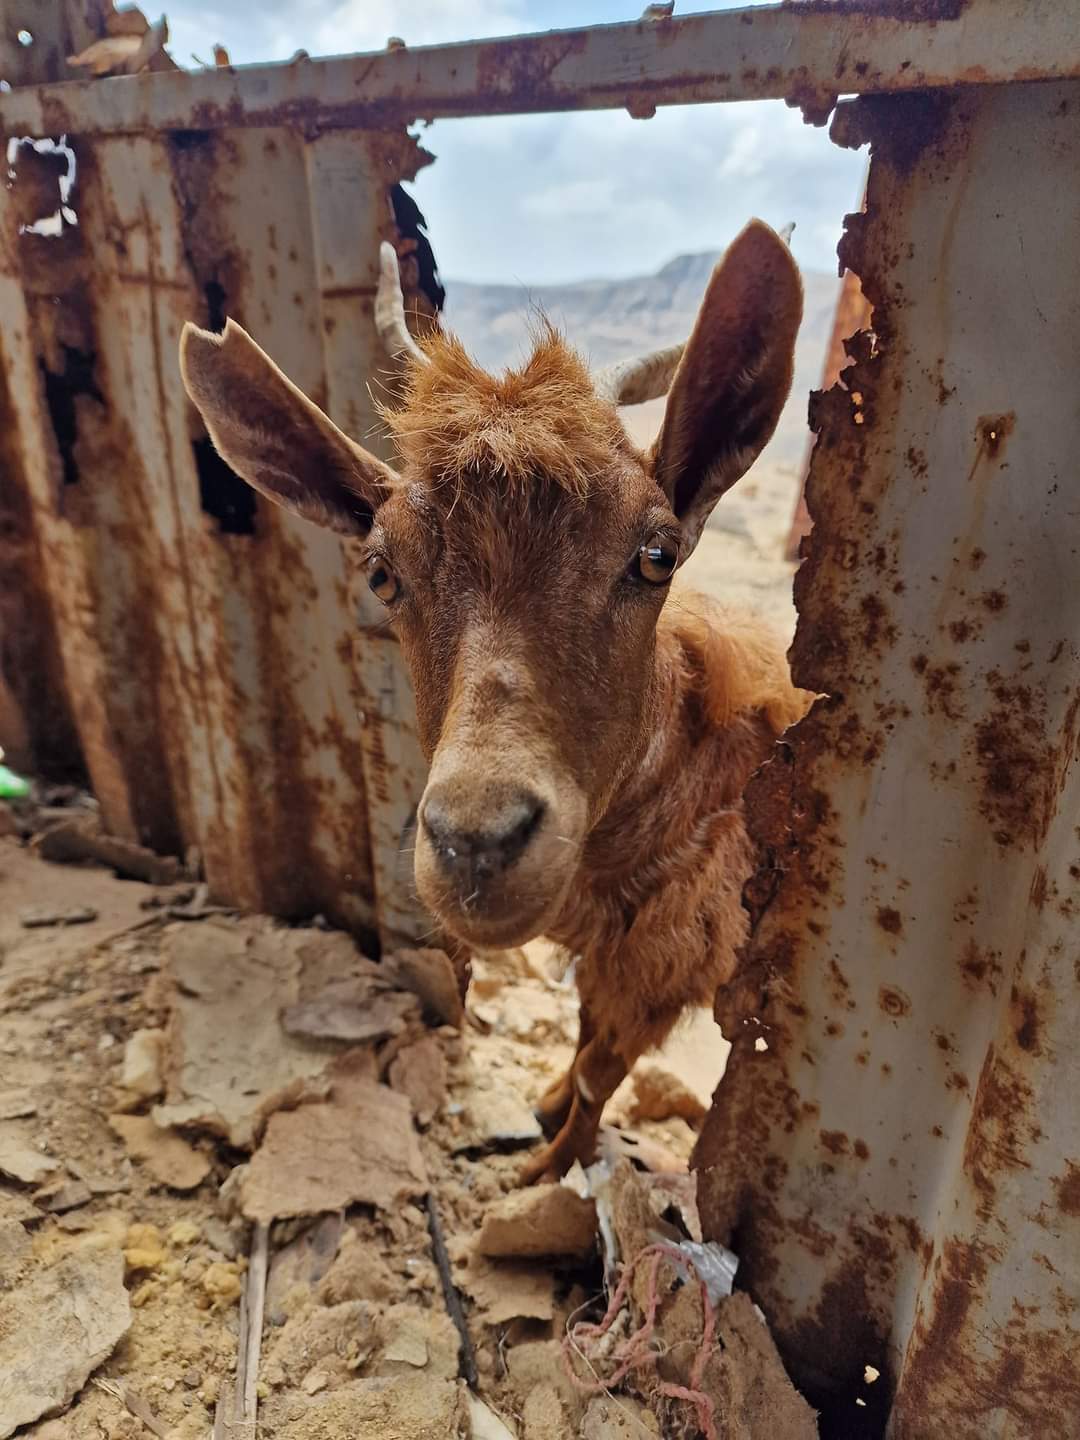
632 382
390 309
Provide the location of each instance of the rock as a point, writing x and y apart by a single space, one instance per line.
360 1148
621 1417
16 1251
486 1425
222 1283
531 1363
167 1156
430 975
419 1071
507 1292
361 1010
497 1118
20 1161
543 1417
416 1339
14 1206
546 1220
413 1407
59 1325
183 1234
141 1075
63 1195
335 1339
144 1248
73 841
38 917
358 1273
301 1264
227 1059
16 1105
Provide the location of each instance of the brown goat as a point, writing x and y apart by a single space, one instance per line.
588 746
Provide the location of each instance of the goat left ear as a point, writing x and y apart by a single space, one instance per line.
277 439
733 379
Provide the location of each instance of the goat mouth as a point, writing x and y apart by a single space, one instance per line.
496 922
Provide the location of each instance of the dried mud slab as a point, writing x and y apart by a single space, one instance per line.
168 1156
548 1220
227 1056
359 1149
56 1328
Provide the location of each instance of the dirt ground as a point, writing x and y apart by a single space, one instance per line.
354 1308
208 1121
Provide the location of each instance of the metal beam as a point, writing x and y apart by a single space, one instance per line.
807 52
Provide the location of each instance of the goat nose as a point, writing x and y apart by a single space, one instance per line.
480 848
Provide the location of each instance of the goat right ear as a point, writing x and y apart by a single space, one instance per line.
275 438
733 379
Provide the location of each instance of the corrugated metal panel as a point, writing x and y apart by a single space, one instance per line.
901 1167
806 51
206 647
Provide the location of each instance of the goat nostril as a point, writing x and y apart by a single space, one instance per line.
491 842
520 823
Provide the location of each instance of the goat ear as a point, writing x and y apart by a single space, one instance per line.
275 438
734 376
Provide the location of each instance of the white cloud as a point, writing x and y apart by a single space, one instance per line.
368 24
540 198
572 200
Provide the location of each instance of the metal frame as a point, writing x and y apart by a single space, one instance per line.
811 50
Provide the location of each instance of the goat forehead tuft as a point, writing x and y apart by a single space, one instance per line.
462 428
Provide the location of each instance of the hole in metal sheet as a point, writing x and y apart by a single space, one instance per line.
61 396
222 494
24 38
215 306
41 178
5 87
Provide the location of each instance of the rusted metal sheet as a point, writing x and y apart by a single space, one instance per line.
807 52
852 315
899 1169
203 642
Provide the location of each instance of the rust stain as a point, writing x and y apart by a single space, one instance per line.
894 1002
1067 1190
890 920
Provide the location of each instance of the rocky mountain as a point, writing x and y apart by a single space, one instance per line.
610 319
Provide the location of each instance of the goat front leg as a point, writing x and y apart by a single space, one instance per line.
597 1073
553 1107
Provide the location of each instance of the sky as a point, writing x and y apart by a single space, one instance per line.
542 199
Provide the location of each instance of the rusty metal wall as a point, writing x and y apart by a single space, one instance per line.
191 646
899 1169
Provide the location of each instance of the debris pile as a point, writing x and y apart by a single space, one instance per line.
250 1176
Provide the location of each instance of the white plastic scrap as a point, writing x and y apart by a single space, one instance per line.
715 1264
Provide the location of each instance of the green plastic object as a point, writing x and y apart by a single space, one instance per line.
12 786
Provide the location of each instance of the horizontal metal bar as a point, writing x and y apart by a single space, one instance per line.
810 50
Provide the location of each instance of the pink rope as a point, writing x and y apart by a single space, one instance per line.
636 1353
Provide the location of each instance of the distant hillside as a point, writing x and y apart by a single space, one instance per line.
610 319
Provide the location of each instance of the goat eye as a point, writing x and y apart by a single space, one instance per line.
657 559
382 580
